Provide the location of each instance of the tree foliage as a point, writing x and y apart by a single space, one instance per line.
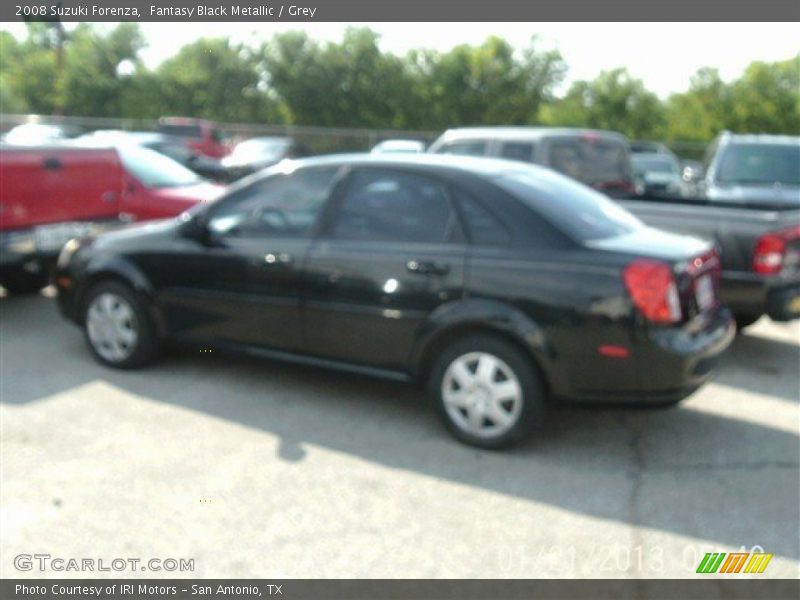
292 78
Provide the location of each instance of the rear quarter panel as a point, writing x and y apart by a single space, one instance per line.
576 299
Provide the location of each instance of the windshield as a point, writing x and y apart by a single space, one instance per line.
154 169
760 164
655 165
574 208
260 147
590 159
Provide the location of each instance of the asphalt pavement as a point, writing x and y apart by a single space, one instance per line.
260 469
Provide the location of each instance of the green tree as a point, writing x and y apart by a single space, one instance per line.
767 98
347 84
702 112
614 100
210 78
486 84
94 85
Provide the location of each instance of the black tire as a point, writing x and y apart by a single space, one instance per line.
145 348
526 373
19 281
745 319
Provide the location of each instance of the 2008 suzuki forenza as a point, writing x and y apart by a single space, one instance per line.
499 285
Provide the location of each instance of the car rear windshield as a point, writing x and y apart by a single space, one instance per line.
590 159
760 164
184 131
154 169
575 209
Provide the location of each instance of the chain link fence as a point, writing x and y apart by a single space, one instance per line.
320 140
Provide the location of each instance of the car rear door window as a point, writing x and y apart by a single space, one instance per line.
386 205
466 148
483 228
522 151
278 206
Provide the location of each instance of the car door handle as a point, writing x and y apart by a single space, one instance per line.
278 258
425 267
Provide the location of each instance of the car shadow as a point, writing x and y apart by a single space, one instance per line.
683 471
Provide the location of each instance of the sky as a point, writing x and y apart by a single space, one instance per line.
663 55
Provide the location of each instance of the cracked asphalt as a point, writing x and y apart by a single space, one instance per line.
259 469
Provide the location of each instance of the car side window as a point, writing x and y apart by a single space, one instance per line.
522 151
279 206
386 205
483 228
473 148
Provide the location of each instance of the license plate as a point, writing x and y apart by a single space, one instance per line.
51 238
704 292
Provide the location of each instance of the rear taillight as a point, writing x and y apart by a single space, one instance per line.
651 286
770 250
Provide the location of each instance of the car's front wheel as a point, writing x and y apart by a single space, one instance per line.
486 391
118 329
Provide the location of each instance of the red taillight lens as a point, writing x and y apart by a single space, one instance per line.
770 250
651 286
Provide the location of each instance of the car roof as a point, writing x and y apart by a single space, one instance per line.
118 134
487 167
526 133
762 138
267 138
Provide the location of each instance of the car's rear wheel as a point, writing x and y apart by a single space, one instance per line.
118 329
487 392
19 281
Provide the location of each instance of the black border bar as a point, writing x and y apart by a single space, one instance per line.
706 588
424 10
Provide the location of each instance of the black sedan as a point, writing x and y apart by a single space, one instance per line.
498 285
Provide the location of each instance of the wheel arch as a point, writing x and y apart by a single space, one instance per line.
124 272
482 318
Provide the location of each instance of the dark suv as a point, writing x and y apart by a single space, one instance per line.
597 158
497 284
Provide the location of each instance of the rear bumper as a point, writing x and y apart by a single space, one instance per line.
666 364
752 294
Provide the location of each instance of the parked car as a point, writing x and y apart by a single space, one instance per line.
753 169
168 145
657 174
50 194
203 137
258 153
600 159
750 207
499 285
398 146
34 134
647 147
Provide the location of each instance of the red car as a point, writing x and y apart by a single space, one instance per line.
50 194
203 137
